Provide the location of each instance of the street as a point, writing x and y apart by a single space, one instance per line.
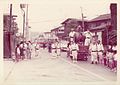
46 68
59 42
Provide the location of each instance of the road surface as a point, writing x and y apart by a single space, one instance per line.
46 68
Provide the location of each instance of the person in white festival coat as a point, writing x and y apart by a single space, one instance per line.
58 48
100 51
74 51
54 50
93 51
88 36
71 35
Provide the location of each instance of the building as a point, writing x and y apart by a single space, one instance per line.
100 26
113 32
105 26
9 33
59 32
47 35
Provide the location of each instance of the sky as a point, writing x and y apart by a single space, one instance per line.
45 15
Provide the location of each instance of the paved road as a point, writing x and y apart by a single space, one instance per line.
98 69
45 68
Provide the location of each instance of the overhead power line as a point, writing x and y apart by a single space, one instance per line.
37 21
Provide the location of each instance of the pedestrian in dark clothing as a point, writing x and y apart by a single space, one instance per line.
22 50
49 47
44 46
104 58
68 51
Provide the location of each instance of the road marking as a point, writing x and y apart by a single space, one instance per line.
73 64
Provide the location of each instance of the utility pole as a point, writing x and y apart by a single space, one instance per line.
82 19
27 27
23 6
10 26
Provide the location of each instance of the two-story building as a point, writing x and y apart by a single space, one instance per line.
100 26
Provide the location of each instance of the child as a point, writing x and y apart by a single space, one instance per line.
114 62
110 59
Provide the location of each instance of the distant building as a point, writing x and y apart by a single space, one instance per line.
47 35
59 32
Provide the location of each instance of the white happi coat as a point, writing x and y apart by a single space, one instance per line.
99 48
88 36
71 35
74 48
53 49
93 48
58 46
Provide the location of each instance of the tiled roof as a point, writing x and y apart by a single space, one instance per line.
73 20
101 17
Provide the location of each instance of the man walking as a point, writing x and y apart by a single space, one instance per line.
93 50
58 48
54 51
71 35
100 52
74 51
88 38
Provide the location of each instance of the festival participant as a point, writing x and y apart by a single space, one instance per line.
100 50
58 48
74 51
72 34
93 51
88 38
54 51
17 53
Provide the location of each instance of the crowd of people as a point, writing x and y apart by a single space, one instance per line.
22 51
96 51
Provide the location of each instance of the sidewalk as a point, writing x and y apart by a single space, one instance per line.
8 66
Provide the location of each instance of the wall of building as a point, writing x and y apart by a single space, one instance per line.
9 36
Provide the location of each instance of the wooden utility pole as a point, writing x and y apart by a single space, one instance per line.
10 26
22 6
27 27
82 20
